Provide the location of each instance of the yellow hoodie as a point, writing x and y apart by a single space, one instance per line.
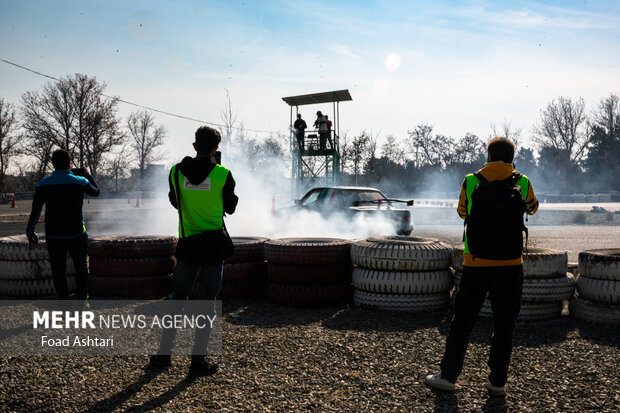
494 171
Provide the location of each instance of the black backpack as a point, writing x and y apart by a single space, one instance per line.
494 225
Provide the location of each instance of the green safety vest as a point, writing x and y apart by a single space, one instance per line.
470 185
202 205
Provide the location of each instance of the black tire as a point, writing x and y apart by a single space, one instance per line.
131 267
603 264
600 291
309 274
126 246
304 295
396 282
248 249
130 287
401 302
530 311
32 288
303 251
245 272
544 263
17 248
395 253
548 289
235 289
31 270
592 312
543 289
537 263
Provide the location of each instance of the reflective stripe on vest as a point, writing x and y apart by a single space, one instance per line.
202 204
470 185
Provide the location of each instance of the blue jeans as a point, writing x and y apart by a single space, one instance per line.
183 280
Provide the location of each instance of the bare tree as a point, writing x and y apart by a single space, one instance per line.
9 146
357 153
229 118
72 114
392 151
507 131
429 149
146 138
117 166
562 128
607 115
345 150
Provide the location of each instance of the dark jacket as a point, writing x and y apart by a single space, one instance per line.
62 193
196 170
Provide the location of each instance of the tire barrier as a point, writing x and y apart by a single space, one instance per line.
131 266
243 280
17 248
401 273
530 311
308 272
25 269
128 246
401 302
594 312
537 262
401 253
603 264
598 287
308 251
544 289
248 249
244 273
31 288
546 283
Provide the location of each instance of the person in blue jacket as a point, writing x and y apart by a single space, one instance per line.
62 193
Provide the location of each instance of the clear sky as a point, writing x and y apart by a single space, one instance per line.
458 65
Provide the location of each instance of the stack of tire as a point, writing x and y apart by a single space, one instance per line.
25 270
546 283
401 273
308 272
131 266
245 272
598 287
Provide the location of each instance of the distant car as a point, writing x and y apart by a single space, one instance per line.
356 200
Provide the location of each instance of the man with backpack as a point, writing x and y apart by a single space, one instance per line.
492 203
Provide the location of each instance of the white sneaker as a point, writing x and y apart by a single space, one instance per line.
438 382
495 390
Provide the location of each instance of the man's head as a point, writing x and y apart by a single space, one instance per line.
501 149
207 140
61 160
299 116
319 113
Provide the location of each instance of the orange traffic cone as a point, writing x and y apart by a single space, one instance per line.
137 202
273 206
13 204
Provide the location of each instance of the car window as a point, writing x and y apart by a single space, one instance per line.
311 198
370 196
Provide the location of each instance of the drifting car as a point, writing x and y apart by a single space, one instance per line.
352 201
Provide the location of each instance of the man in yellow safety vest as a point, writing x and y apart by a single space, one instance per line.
202 191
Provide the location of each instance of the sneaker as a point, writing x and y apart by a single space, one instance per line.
159 361
437 382
204 368
496 390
